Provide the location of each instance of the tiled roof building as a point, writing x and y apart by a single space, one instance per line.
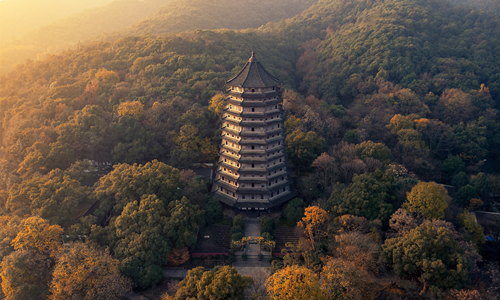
252 170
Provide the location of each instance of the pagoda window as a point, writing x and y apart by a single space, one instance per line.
284 189
234 195
253 147
276 106
273 88
278 125
253 197
243 196
261 196
253 184
253 109
253 90
253 165
253 129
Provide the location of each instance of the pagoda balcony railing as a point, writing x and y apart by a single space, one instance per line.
230 130
253 142
226 173
275 139
275 148
253 133
229 155
277 174
231 120
253 123
252 179
274 131
255 114
253 151
226 185
228 166
231 148
258 160
229 138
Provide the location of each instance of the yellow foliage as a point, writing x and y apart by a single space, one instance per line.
294 283
314 218
217 104
475 203
133 108
37 234
107 76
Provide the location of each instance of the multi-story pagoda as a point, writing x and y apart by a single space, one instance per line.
252 171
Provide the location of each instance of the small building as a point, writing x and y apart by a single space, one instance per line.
252 171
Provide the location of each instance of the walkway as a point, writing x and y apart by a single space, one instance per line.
252 266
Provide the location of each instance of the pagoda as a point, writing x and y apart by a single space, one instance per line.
252 170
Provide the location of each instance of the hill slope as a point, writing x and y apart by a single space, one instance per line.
78 27
188 15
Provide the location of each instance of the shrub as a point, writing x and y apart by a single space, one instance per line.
238 221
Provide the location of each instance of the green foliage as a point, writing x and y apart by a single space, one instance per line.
460 180
303 148
351 136
481 184
429 254
294 211
55 197
238 221
367 196
25 275
453 165
128 183
200 284
464 194
237 236
376 150
213 211
184 223
266 225
428 198
142 240
236 229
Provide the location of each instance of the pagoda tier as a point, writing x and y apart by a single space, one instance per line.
252 170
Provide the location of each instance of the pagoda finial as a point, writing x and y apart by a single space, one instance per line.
253 58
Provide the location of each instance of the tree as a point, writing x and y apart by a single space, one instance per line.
213 210
429 254
54 196
39 236
465 194
294 210
313 220
375 150
294 283
481 184
325 168
217 284
141 241
460 180
428 198
303 148
85 271
471 228
25 275
367 196
133 109
217 105
128 183
402 221
184 223
266 225
453 165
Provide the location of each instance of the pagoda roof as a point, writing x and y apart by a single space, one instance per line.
253 75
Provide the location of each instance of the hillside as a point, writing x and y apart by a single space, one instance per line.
188 15
490 6
18 17
108 23
81 26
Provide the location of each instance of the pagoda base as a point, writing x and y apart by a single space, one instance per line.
252 204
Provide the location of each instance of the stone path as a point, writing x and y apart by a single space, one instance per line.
252 265
174 272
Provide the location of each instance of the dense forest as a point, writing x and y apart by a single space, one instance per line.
384 99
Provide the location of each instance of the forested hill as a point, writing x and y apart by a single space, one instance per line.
81 26
109 23
491 6
188 15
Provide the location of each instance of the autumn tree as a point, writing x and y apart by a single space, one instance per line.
86 271
133 109
218 284
38 235
402 222
429 254
217 105
325 169
473 230
428 198
312 222
294 283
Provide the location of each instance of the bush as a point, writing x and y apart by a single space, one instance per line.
238 221
236 229
266 225
267 236
294 211
230 258
237 236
